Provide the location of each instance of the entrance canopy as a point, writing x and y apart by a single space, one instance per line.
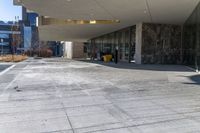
128 12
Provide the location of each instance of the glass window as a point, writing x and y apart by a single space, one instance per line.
4 35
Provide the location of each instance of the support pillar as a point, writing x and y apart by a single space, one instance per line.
138 49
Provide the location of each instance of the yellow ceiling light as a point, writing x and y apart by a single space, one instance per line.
93 21
54 21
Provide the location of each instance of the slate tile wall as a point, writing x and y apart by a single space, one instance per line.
191 40
161 44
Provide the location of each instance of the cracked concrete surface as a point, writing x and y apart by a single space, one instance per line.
63 96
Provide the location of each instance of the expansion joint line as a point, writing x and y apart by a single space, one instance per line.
67 117
63 107
61 102
148 8
100 5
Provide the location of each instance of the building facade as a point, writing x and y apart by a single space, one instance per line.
10 38
123 40
30 21
140 32
145 43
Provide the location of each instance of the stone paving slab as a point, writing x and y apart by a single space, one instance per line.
63 96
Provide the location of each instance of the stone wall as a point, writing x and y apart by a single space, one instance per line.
73 50
78 50
161 44
191 40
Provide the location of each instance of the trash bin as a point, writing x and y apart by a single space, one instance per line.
107 58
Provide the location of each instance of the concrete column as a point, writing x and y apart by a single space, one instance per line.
138 52
68 50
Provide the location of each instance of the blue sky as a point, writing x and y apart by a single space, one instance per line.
8 11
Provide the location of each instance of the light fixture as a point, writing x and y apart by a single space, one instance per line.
93 21
55 21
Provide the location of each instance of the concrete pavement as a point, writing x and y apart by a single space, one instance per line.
4 66
63 96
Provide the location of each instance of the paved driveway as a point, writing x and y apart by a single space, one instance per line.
3 67
62 96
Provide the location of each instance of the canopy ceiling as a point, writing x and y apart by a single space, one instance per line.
129 12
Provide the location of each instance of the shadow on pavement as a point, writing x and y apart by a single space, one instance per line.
195 79
125 65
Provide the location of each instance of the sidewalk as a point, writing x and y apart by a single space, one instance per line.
57 95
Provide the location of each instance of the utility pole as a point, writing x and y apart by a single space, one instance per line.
15 38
